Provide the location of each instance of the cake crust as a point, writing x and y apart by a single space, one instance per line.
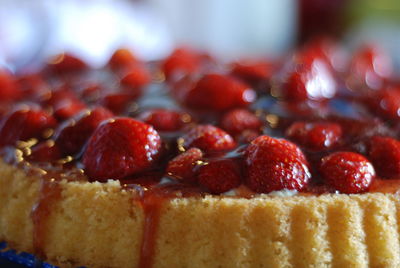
101 225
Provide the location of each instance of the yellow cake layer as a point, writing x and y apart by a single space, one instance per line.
96 225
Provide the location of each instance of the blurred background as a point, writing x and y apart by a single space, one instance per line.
30 31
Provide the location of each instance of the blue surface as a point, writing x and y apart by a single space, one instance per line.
11 259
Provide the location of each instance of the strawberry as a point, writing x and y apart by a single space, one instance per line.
207 138
120 147
315 136
312 81
72 135
370 66
23 124
239 120
386 103
347 172
64 102
66 63
180 63
219 92
8 87
121 59
219 176
46 151
165 119
384 153
182 166
119 103
136 77
252 72
275 164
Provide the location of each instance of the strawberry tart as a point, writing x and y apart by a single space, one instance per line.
189 162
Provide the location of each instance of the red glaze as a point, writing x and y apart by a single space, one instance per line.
347 172
46 151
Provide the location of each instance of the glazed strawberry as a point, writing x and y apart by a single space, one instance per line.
315 136
312 81
68 109
275 164
180 63
219 176
46 151
386 103
72 135
121 59
165 119
182 166
347 172
252 72
136 77
239 120
66 63
119 103
120 147
8 87
384 153
370 66
32 86
219 92
207 138
23 124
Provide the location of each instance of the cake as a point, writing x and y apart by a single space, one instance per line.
189 162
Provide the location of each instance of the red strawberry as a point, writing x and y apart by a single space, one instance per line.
122 58
384 153
309 81
370 66
119 103
347 172
66 63
252 72
23 124
239 120
182 166
386 103
219 92
68 109
120 147
136 77
219 176
275 164
180 63
32 85
46 151
207 138
8 87
315 136
72 135
164 119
